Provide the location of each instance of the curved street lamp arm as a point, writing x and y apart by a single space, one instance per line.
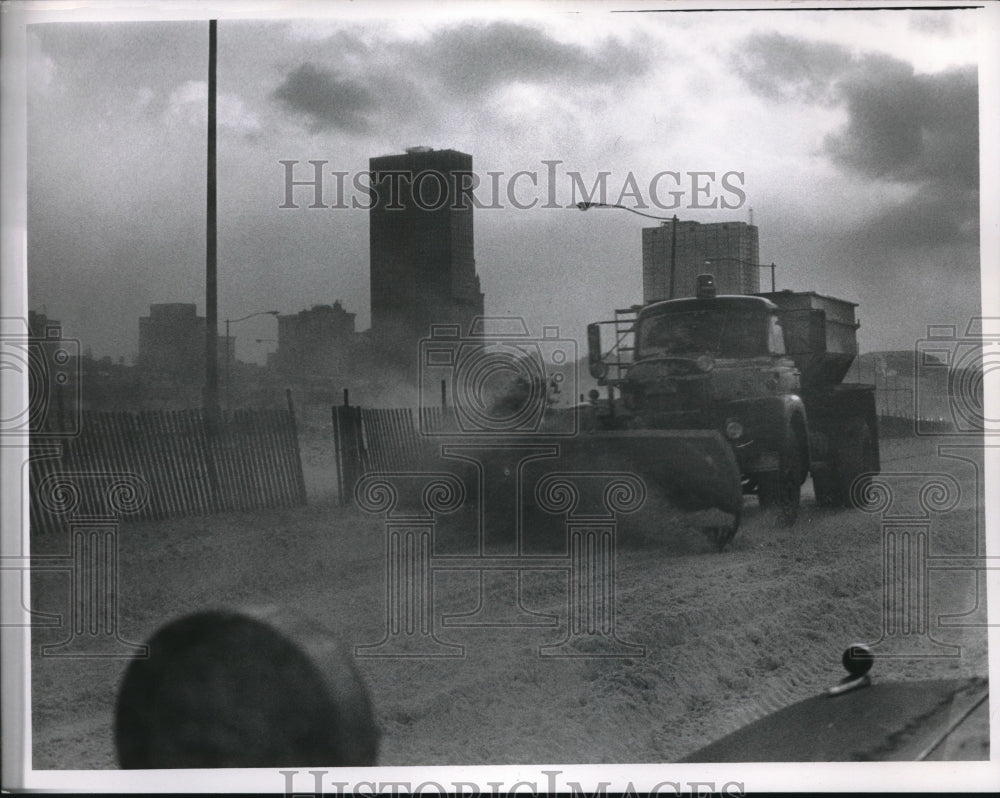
587 205
250 316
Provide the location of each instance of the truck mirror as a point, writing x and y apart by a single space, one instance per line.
598 368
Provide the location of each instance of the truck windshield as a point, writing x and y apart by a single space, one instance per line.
721 332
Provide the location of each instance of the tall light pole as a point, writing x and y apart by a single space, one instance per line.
228 348
747 263
211 394
583 206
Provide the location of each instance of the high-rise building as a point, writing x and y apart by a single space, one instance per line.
673 259
423 267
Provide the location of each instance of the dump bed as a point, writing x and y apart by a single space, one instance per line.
820 335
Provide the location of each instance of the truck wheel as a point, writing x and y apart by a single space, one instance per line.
824 486
781 489
855 457
719 536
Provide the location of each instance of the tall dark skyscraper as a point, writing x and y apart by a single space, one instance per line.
423 267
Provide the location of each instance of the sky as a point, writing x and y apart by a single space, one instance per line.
852 135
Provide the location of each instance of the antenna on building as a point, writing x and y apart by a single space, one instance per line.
751 217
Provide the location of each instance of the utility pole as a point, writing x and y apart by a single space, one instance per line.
211 395
673 254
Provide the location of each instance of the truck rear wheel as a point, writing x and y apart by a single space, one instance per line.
855 462
824 486
780 490
852 456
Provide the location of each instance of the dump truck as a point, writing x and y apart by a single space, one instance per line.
745 389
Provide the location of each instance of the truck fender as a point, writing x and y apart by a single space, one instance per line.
774 417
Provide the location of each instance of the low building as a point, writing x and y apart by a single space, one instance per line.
172 342
319 342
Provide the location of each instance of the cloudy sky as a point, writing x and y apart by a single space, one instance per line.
855 134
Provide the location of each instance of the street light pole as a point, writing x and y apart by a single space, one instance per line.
211 391
228 347
583 206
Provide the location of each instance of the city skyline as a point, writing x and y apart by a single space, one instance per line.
856 147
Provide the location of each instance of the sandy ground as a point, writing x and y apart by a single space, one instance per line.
727 637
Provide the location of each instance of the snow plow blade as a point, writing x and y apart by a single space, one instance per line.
693 469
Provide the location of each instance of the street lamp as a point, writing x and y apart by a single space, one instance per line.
583 206
228 350
747 263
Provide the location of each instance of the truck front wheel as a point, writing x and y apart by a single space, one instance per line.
781 489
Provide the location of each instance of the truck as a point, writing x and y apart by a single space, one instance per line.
761 375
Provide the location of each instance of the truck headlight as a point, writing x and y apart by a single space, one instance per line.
734 430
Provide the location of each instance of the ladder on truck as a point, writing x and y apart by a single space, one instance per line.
620 354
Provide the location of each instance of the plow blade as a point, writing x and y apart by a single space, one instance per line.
693 469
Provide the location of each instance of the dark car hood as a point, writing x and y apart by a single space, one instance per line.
897 721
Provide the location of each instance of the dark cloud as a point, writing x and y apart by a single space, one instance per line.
785 68
471 59
345 77
327 100
902 126
927 219
911 129
917 130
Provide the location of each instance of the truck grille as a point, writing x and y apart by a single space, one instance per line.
689 395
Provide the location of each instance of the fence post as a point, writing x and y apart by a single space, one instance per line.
298 476
347 445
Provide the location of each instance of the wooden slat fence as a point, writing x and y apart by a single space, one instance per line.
383 439
251 461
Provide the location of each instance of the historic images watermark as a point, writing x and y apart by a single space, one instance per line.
86 503
503 380
48 365
89 505
539 187
298 784
506 456
909 504
951 369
